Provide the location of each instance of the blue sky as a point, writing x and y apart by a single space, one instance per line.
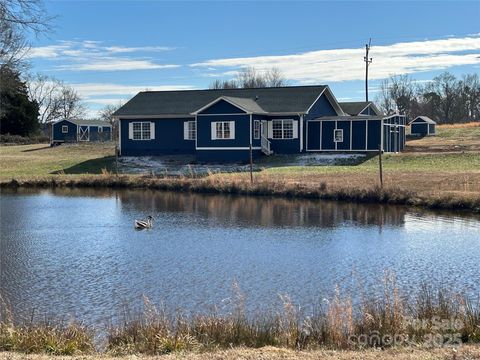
110 50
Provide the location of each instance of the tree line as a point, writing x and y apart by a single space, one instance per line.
445 99
251 78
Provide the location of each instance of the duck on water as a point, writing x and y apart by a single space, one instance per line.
144 224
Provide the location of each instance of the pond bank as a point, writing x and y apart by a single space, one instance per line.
433 321
365 192
270 353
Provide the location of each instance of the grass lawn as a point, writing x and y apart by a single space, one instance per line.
459 137
40 160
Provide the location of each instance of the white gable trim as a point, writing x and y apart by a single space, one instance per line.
57 121
218 100
318 97
331 98
373 107
360 112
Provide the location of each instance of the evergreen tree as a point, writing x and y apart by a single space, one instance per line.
18 114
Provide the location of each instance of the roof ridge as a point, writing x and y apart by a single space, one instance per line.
249 88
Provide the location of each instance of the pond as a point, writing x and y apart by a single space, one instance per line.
75 253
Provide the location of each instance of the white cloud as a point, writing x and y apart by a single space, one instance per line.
92 92
347 64
121 49
104 101
90 55
49 52
116 65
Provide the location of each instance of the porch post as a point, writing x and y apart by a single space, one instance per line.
301 133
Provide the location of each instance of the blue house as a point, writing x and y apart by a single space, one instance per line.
73 130
222 125
422 126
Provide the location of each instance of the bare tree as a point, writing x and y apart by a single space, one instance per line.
13 46
45 91
275 78
106 115
27 14
70 103
107 111
223 84
398 94
384 99
445 99
251 78
17 19
55 99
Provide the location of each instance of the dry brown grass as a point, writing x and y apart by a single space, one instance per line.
449 138
430 319
459 126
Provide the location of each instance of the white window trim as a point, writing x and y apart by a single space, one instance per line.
152 130
188 133
335 138
255 129
231 125
283 129
64 129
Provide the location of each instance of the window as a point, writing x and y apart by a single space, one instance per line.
223 130
64 129
141 131
256 129
338 135
189 130
100 129
282 129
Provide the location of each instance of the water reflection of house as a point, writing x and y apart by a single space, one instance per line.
265 212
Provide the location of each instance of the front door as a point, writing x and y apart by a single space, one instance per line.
83 133
264 129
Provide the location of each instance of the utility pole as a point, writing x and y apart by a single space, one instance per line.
368 61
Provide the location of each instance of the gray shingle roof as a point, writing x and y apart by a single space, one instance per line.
247 104
355 107
89 122
273 100
425 119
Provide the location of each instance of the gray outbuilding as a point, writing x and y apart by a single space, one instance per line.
422 126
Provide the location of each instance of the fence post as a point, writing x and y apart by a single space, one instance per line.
380 164
251 163
116 160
